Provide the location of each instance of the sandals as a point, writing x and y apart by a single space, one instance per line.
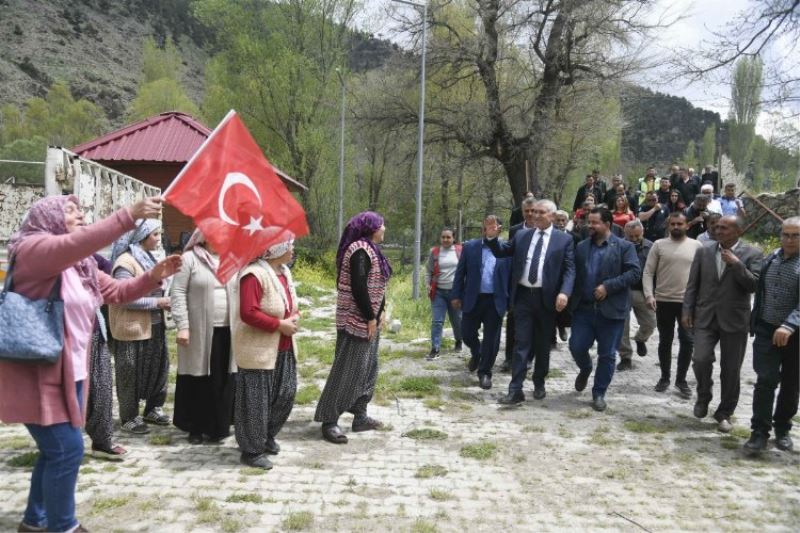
333 434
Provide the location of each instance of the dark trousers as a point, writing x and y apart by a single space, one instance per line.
589 325
484 313
667 314
534 325
731 355
774 366
511 329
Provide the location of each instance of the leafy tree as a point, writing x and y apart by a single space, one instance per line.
745 107
33 149
708 147
690 155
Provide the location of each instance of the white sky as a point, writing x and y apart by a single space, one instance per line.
698 20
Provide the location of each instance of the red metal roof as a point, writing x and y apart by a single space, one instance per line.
170 137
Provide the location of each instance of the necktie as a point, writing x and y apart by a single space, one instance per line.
533 274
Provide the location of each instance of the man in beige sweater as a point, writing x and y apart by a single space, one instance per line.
664 282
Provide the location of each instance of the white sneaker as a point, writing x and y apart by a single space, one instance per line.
724 426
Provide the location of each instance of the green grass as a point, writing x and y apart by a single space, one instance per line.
25 460
252 471
429 471
440 495
600 437
308 370
414 315
425 434
161 440
741 432
579 413
103 505
423 526
239 497
307 394
16 443
556 373
645 426
433 403
318 323
315 350
231 525
419 386
730 442
480 450
298 521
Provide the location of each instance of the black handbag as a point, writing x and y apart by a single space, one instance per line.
31 331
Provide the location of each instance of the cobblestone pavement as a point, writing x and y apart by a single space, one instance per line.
644 464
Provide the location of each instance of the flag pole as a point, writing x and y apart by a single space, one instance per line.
224 121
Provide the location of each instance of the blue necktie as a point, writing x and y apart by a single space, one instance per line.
533 274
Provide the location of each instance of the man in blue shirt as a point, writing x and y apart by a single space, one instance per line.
480 290
606 267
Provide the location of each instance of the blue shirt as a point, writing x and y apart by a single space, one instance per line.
729 206
488 262
596 254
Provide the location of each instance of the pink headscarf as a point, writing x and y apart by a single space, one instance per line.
46 216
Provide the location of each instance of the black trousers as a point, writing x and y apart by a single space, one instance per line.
667 315
483 314
774 366
534 331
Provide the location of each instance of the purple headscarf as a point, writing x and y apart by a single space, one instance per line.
47 216
361 227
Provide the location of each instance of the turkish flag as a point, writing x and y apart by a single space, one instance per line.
234 196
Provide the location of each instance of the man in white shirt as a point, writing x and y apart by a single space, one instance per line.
713 203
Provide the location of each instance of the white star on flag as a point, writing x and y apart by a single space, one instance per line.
254 225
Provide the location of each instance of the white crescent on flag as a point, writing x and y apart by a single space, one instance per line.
235 178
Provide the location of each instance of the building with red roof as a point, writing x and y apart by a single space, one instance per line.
154 150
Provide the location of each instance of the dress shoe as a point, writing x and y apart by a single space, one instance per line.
273 448
562 333
27 527
700 410
506 367
625 364
684 389
599 403
256 461
784 443
756 444
512 398
724 426
366 423
662 385
485 382
539 392
434 354
473 363
458 346
641 348
582 379
333 433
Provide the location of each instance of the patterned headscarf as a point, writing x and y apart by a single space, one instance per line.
130 243
196 244
277 249
47 216
361 227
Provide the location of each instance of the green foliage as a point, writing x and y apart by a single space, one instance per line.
299 521
160 63
745 107
425 434
481 450
419 386
238 497
708 146
25 460
33 149
429 471
307 394
690 155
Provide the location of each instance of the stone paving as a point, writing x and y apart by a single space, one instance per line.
644 464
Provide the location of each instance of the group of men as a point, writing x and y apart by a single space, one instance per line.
547 277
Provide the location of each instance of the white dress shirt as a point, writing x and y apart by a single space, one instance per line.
529 258
720 263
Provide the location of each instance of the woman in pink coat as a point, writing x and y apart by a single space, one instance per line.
50 400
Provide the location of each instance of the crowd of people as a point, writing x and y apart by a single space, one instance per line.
639 249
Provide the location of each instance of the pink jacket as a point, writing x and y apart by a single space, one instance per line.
38 394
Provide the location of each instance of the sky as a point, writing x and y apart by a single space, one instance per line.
693 22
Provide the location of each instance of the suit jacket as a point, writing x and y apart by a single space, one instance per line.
727 297
618 272
558 271
467 282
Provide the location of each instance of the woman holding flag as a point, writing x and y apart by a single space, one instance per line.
363 272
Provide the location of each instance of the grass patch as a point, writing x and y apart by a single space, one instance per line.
730 442
317 323
25 460
311 349
440 495
433 403
307 371
645 426
741 432
556 373
533 429
298 521
425 434
103 505
231 525
600 437
579 413
423 526
480 450
208 510
414 315
16 443
429 471
308 394
252 471
419 386
239 497
161 440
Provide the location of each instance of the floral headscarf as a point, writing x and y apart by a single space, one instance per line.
130 243
277 249
46 216
361 227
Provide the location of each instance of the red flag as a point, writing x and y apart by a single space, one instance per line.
234 196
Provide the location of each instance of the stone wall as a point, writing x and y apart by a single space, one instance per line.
14 202
784 205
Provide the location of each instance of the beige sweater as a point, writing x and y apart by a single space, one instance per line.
667 268
129 324
257 349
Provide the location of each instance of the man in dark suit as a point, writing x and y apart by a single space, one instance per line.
606 267
480 290
542 275
717 305
589 187
710 176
